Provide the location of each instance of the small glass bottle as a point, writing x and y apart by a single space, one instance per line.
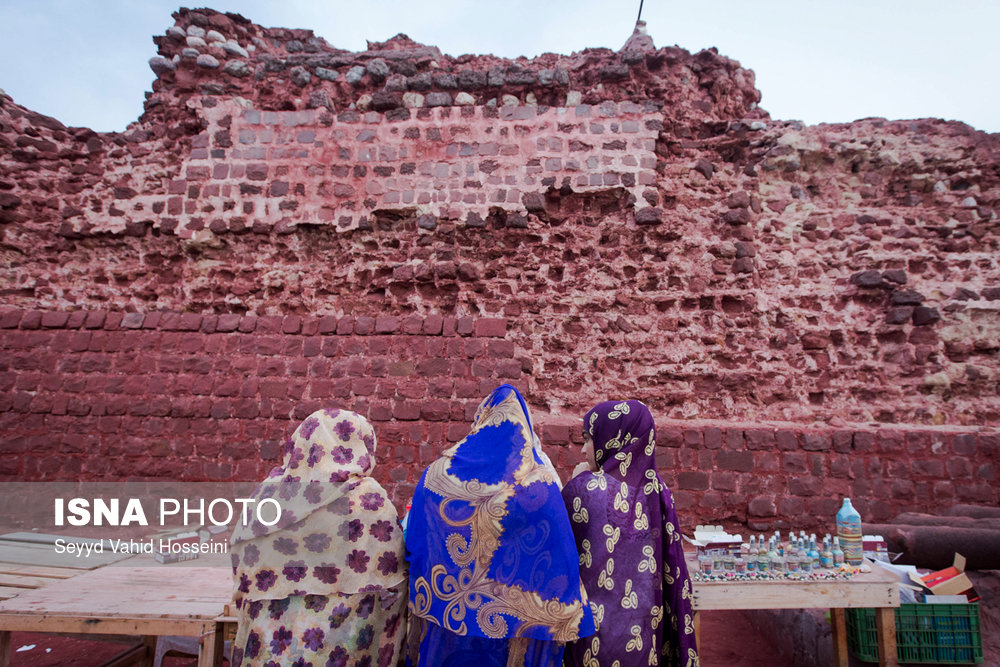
763 563
838 554
752 549
826 555
813 553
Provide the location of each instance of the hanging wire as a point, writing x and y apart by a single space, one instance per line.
639 17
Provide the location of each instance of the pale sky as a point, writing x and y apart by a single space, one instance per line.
85 61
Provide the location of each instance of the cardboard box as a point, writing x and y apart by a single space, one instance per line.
949 581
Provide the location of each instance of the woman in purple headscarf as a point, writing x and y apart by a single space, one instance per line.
631 554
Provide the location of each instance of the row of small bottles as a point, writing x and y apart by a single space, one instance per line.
802 552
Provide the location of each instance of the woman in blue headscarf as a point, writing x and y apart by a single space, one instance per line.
494 571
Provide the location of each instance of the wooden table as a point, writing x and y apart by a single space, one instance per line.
877 589
124 599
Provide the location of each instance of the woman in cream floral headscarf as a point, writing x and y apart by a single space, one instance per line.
326 584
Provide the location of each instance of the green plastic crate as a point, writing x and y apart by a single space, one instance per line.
925 633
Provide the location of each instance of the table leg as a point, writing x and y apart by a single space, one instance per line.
885 626
696 622
4 648
838 619
150 655
210 646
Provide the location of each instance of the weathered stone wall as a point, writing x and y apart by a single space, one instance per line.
97 395
632 223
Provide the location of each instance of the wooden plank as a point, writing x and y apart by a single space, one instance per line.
210 647
45 538
793 595
39 571
191 627
23 553
149 660
838 619
885 626
22 581
8 593
129 593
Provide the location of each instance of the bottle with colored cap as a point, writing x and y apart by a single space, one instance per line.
849 532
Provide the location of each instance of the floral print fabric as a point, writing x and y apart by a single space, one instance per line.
357 630
631 554
338 531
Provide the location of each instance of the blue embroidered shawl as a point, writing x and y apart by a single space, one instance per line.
489 542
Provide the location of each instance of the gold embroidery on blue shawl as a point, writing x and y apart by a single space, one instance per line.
474 591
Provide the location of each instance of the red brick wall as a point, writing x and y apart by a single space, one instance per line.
103 395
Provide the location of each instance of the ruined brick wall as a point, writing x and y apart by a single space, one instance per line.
96 395
594 225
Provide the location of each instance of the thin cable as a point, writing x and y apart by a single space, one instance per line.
639 17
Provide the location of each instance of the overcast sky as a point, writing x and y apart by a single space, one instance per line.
85 61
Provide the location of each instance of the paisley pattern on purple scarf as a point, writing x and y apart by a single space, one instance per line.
631 553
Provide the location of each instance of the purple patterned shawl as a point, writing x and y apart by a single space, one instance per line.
631 554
